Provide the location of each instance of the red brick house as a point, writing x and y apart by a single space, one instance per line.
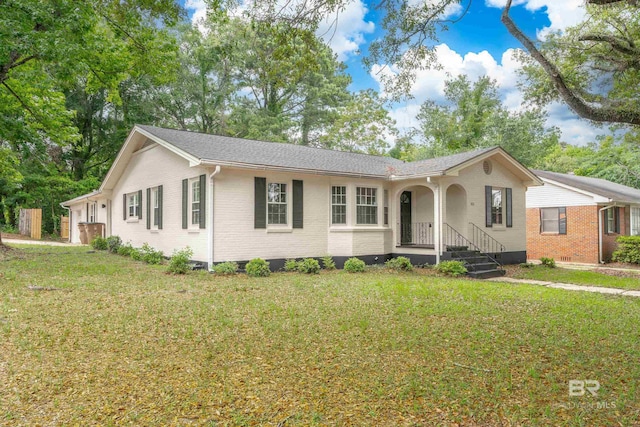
577 219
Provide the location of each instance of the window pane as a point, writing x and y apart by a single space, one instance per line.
366 206
496 206
338 205
635 221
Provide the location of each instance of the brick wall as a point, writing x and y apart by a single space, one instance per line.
580 244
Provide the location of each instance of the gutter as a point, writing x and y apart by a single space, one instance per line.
600 231
210 231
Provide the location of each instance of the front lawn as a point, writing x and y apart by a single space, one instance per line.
96 339
611 279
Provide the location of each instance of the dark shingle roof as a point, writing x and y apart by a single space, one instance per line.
244 151
601 187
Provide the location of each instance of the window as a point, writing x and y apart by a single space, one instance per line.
92 212
496 206
366 205
156 206
133 205
553 220
338 205
635 222
612 220
195 202
276 203
386 207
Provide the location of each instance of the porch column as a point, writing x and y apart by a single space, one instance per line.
437 220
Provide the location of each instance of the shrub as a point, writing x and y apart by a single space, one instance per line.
548 262
354 265
136 254
226 268
150 255
257 267
309 266
99 244
125 249
180 261
113 244
328 263
400 263
291 265
451 268
628 250
527 265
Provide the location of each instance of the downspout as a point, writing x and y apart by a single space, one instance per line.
69 210
600 232
210 234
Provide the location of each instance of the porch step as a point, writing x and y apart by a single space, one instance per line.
481 266
486 274
464 254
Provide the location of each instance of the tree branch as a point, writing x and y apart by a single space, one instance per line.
606 2
577 104
616 43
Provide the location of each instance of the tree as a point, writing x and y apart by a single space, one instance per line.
607 43
362 125
9 176
46 45
474 117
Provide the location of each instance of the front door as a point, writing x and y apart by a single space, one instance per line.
405 217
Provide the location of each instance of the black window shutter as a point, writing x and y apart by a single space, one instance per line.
160 207
509 210
139 204
562 220
260 203
87 212
203 201
124 207
540 212
148 209
185 202
616 219
487 205
297 204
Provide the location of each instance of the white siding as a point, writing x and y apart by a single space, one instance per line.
149 168
551 195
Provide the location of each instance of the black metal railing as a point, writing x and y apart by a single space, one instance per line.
453 240
415 233
485 242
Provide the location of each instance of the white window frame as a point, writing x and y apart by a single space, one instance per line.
367 198
635 221
92 212
133 205
279 198
339 200
194 198
155 208
494 213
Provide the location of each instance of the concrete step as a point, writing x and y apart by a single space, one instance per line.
481 266
485 274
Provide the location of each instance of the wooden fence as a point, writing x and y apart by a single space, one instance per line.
31 223
64 227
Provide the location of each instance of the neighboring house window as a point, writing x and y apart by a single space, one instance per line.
195 202
386 207
92 212
156 207
496 206
338 205
635 221
553 220
612 220
133 205
366 205
276 203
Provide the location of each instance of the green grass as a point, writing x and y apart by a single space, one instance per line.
577 277
122 342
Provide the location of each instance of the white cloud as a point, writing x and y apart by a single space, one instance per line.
561 13
430 85
344 32
199 8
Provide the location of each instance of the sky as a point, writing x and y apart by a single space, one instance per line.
475 46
